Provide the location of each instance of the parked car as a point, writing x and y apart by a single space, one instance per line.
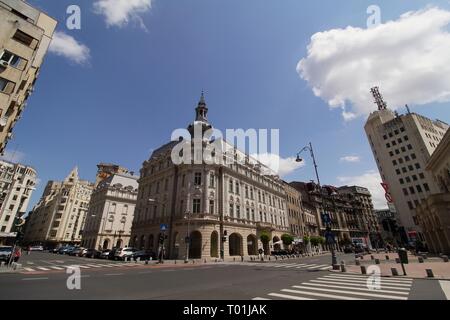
124 253
76 252
5 253
112 253
37 248
92 253
65 250
348 249
144 255
280 253
105 254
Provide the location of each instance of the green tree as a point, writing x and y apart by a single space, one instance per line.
315 241
306 240
287 239
322 240
265 238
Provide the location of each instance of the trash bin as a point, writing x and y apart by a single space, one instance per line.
403 255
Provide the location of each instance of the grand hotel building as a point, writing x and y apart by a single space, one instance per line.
210 210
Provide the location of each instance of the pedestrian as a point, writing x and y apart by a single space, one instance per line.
28 250
17 254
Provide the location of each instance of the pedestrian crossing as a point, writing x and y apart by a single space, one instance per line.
34 268
305 266
341 286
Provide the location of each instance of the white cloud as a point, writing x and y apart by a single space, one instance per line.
119 12
350 159
13 156
372 181
68 47
281 166
407 58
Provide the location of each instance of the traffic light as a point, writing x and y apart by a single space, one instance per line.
161 238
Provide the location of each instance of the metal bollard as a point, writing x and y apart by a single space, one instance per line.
397 260
276 258
377 261
429 273
363 270
242 258
343 268
420 260
234 259
175 261
357 262
269 258
204 261
372 257
387 257
445 258
394 272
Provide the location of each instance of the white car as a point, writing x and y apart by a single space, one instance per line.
124 253
37 248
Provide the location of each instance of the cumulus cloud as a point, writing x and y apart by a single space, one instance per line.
279 165
119 12
407 58
350 159
372 181
68 47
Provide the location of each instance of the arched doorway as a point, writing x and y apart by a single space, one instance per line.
235 245
151 242
276 246
105 244
195 246
119 243
214 244
252 245
142 243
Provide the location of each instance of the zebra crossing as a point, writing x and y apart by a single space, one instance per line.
305 266
340 286
81 266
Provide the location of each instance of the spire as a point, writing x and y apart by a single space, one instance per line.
201 112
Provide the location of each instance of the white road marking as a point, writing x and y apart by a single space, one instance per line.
383 296
84 267
322 295
359 289
28 269
42 268
357 284
445 286
343 275
382 281
113 274
56 268
93 265
30 279
289 296
258 298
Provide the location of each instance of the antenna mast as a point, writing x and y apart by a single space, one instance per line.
378 98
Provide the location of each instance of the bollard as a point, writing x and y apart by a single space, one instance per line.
204 261
363 270
377 261
445 258
193 261
276 258
242 258
234 259
175 261
269 258
387 257
397 260
216 260
343 268
394 272
357 262
372 257
429 273
420 260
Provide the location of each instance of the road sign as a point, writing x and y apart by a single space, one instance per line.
163 227
329 236
326 218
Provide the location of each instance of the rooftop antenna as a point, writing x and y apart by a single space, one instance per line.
407 109
378 98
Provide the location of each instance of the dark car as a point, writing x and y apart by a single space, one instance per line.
65 250
92 253
112 253
144 255
280 253
5 253
348 249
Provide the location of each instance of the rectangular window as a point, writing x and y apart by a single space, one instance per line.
211 180
411 190
13 60
405 191
422 176
426 187
238 211
196 206
246 191
401 181
230 186
6 86
198 179
25 39
417 166
211 206
231 210
397 171
419 189
237 187
247 213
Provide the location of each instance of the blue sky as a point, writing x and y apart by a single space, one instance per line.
138 85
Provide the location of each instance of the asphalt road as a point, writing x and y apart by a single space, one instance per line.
298 279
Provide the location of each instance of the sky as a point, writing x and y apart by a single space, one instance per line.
115 90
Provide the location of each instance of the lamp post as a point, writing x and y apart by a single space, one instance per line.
329 235
187 240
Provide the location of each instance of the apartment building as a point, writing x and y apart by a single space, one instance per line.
59 216
25 35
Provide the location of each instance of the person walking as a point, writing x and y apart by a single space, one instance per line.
17 254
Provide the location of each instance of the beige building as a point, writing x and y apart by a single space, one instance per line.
220 208
111 211
60 214
25 35
17 183
105 170
402 146
434 211
296 215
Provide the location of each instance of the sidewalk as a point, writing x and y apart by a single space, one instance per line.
414 269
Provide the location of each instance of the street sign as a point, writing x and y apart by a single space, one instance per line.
326 218
329 236
163 227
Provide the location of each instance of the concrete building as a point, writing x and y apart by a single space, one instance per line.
25 35
402 146
388 226
434 212
60 214
221 209
17 183
294 212
111 211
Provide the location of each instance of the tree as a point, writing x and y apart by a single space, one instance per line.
265 238
322 240
287 239
306 240
315 241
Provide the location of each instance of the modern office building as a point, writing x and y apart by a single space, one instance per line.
25 35
402 146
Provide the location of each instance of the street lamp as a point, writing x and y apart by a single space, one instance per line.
328 234
187 240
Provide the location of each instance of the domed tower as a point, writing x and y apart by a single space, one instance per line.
201 117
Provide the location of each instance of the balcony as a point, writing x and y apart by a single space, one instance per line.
3 121
265 225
